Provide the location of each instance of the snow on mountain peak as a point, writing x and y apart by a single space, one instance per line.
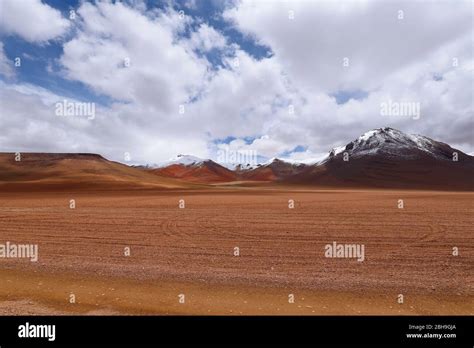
185 160
387 140
297 162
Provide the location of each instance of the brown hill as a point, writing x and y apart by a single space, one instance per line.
385 158
380 172
391 159
203 172
64 171
276 170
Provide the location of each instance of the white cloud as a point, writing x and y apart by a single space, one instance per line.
313 45
307 157
164 73
191 4
30 123
32 20
206 38
264 146
249 97
122 53
144 121
240 100
6 66
388 57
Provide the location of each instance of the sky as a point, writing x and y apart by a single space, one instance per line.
288 79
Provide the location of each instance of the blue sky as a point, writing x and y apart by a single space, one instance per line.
38 58
239 75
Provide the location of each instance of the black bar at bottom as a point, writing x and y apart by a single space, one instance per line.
449 331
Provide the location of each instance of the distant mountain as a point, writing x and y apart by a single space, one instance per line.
185 160
387 157
383 157
274 170
194 169
66 171
393 143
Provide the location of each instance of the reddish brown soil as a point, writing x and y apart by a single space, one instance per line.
407 251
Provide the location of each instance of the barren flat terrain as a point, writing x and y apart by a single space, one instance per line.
190 251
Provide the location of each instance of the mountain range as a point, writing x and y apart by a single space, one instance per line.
380 158
383 157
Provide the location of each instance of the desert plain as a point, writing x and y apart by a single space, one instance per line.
238 251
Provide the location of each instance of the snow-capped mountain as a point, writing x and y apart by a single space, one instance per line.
251 166
295 162
185 160
272 170
195 169
306 161
387 157
244 166
394 143
383 157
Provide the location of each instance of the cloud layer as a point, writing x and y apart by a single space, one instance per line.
32 20
177 84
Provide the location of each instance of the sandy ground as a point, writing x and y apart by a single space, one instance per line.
190 251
